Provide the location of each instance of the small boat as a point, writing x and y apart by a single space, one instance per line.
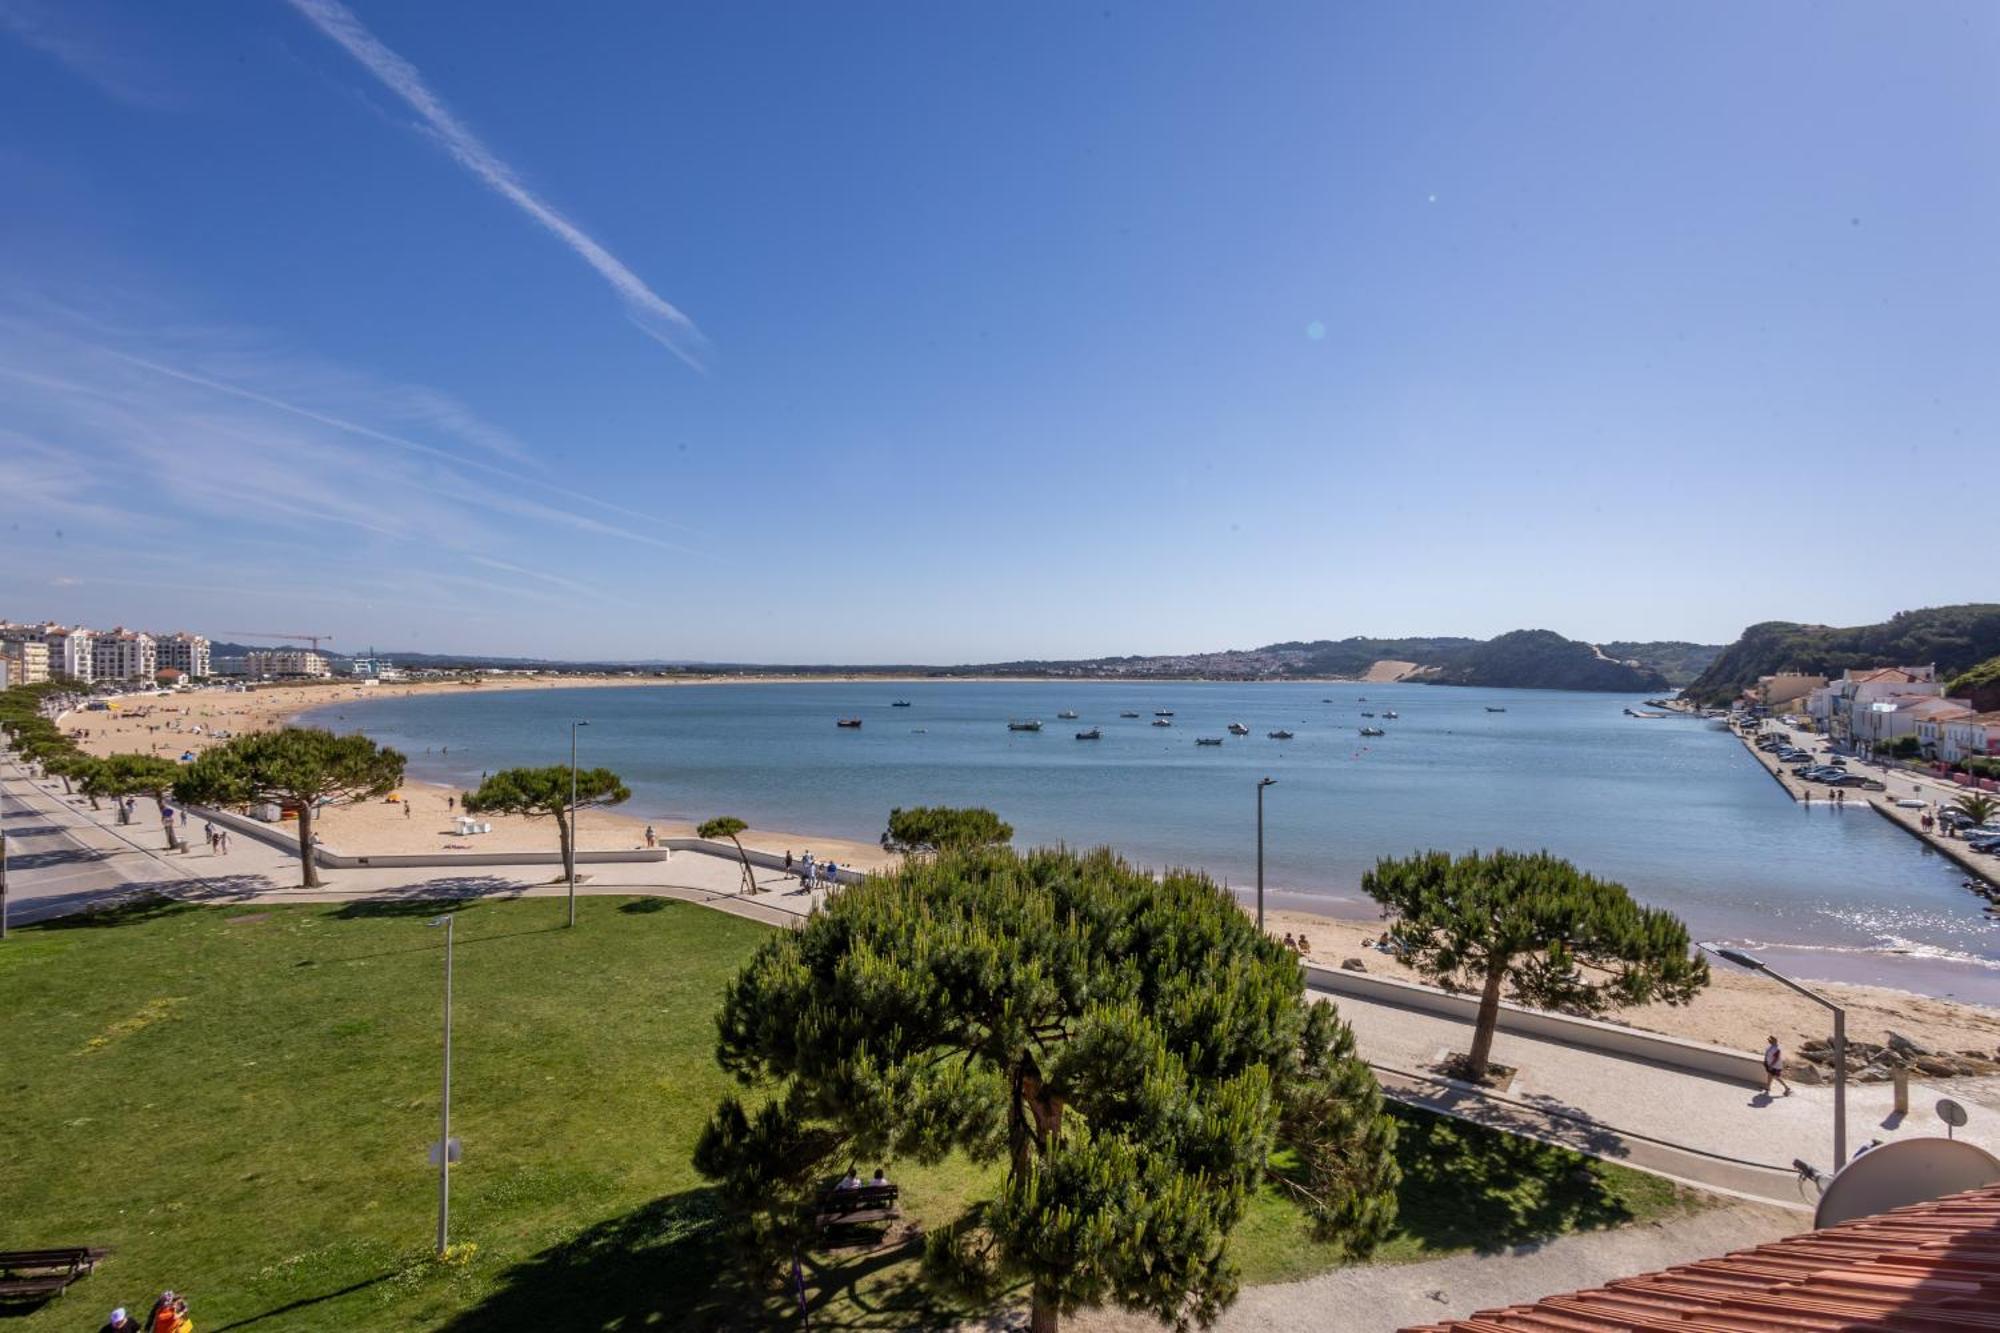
1392 713
1032 724
1366 713
1238 729
1067 715
1208 740
900 703
1128 714
1279 735
1373 731
1163 712
850 722
1491 709
1092 735
1326 701
1161 722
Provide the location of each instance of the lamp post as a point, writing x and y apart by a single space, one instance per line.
575 845
1266 782
1741 959
444 1114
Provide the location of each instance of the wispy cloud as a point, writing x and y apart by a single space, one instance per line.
63 33
128 445
652 313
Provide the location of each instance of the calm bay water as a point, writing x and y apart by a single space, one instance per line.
1672 807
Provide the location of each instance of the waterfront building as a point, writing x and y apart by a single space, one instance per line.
1836 706
288 662
26 661
1886 721
126 655
1784 691
184 652
1974 737
71 649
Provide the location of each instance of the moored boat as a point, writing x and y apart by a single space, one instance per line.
1279 735
1129 713
900 703
1067 714
1032 724
848 722
1238 729
1161 722
1491 709
1208 740
1091 735
1163 712
1392 713
1373 731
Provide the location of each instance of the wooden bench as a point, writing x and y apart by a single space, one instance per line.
36 1275
861 1205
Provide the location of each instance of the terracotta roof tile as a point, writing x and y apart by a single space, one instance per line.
1928 1268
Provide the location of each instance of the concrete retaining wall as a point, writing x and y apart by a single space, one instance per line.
285 837
1582 1033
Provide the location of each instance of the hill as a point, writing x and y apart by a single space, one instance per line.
1956 638
1540 659
1679 662
1981 685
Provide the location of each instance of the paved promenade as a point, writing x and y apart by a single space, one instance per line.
1707 1132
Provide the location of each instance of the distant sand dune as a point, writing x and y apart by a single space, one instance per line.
1390 670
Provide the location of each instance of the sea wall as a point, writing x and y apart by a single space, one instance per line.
1719 1062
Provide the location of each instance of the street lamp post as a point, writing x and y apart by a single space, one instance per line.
3 884
575 845
1266 782
444 1113
1741 959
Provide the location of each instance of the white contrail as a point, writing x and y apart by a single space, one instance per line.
654 315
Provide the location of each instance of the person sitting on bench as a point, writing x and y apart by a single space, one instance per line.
881 1177
850 1181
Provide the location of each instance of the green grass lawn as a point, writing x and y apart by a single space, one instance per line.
238 1103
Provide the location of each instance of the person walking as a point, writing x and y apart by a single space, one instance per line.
406 809
1774 1066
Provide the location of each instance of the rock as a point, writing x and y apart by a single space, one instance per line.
1353 965
1807 1075
1900 1043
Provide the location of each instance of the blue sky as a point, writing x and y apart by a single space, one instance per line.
890 332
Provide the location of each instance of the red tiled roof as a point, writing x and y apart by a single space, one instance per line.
1928 1268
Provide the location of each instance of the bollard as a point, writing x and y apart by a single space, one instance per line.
1902 1090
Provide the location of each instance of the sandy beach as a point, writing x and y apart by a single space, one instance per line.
422 819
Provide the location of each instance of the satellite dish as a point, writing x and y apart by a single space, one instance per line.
1951 1113
1904 1172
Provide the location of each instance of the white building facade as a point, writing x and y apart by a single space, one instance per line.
185 652
288 662
127 655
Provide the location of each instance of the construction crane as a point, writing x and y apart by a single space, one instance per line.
313 639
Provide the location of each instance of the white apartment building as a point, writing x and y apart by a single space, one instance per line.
184 652
1970 738
1837 708
27 661
127 655
71 648
288 662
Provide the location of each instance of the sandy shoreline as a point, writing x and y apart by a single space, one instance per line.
1737 1010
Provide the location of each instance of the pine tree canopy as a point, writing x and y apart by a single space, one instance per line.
1133 1048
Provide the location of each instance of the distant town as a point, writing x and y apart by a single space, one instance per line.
130 658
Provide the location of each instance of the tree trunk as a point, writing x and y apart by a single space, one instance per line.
308 867
1042 1316
568 851
749 876
67 789
1489 1019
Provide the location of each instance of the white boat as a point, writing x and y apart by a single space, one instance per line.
1238 729
1392 713
1161 722
1067 715
1373 731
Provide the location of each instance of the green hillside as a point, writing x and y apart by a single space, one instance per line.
1541 659
1956 638
1981 685
1679 662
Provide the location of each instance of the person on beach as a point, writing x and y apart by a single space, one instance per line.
120 1322
651 840
1774 1066
1305 945
406 810
788 860
1291 943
